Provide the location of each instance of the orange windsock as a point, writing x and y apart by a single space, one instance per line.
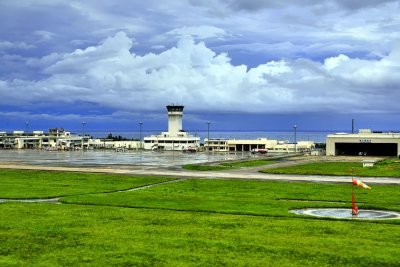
360 184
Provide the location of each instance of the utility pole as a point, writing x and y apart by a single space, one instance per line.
208 135
83 134
295 138
140 134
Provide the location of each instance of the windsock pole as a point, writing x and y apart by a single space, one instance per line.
354 208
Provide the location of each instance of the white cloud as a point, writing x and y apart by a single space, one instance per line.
333 62
199 32
158 47
309 28
44 35
44 61
6 45
190 73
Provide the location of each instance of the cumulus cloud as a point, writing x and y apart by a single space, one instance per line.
110 75
158 47
333 62
199 32
309 28
44 35
6 45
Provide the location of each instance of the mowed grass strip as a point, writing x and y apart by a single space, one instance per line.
245 197
228 165
73 235
45 184
385 168
200 222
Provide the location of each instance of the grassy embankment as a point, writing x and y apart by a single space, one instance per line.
228 165
384 168
194 222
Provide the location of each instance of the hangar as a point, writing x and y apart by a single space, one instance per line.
365 143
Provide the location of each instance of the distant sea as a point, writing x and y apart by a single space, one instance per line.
316 136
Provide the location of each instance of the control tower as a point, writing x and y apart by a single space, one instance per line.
175 114
175 139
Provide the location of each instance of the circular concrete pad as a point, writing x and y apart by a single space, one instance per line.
346 213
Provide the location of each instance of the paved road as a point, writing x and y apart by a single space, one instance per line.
246 173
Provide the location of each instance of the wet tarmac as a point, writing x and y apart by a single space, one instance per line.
161 164
167 159
346 213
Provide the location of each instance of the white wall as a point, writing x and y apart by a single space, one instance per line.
174 122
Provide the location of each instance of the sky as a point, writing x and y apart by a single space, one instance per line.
240 64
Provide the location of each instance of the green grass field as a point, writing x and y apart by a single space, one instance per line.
244 197
228 165
385 168
41 184
192 223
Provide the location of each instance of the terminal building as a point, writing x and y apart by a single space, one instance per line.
363 143
59 139
176 138
247 145
56 138
35 139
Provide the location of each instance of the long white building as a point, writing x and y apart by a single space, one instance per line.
176 138
241 145
56 138
59 139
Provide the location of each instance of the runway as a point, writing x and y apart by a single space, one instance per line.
166 164
250 173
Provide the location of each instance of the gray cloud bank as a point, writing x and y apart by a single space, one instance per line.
111 75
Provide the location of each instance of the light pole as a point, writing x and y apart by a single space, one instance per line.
83 133
140 134
208 135
27 127
295 138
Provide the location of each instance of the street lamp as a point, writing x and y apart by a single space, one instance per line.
295 138
140 134
83 133
208 135
27 127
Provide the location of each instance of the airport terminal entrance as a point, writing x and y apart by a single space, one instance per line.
242 148
366 149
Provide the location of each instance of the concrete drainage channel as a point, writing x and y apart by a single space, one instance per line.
56 200
34 200
151 185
